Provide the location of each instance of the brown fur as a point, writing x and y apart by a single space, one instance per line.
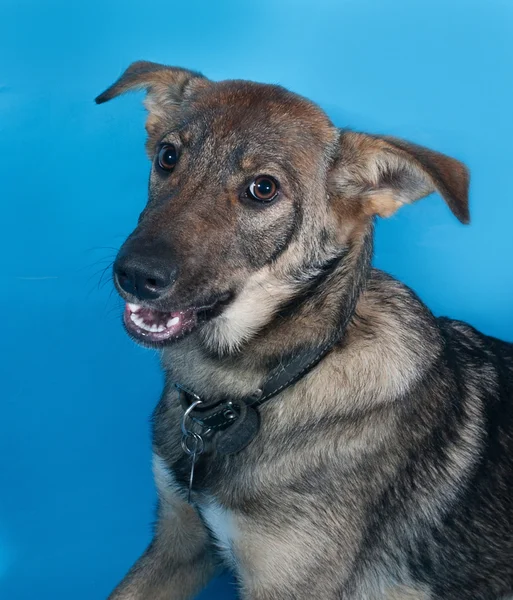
367 479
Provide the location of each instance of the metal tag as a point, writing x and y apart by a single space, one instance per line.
241 432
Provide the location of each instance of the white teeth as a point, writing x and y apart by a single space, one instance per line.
172 321
137 320
152 328
140 322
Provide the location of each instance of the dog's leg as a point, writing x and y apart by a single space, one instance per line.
179 562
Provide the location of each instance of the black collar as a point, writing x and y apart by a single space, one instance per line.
237 421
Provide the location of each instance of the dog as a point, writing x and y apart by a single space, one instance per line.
320 433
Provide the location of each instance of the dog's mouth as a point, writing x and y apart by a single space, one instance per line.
153 327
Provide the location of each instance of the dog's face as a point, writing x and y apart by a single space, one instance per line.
252 192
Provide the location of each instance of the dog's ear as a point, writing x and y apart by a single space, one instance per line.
167 87
385 173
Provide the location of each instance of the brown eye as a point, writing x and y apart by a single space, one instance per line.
167 157
263 189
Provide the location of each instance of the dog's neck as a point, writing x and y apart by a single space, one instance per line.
318 314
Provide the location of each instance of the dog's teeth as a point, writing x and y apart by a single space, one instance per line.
138 321
153 328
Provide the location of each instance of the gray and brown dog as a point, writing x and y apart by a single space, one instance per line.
382 466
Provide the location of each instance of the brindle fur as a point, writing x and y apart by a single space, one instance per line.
386 472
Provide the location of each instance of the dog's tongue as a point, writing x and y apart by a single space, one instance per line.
156 325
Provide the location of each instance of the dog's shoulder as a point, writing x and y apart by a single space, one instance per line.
464 339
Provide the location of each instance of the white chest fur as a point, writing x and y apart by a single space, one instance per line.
222 524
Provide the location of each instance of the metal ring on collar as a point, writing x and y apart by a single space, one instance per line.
186 414
199 444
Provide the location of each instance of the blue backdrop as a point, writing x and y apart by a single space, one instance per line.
76 495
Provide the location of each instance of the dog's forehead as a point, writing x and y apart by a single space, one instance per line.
262 113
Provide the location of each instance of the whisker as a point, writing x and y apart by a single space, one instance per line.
105 283
112 310
95 263
109 266
101 282
97 273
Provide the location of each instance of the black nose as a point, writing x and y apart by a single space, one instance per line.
145 273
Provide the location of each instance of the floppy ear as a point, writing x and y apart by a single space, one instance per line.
386 172
167 87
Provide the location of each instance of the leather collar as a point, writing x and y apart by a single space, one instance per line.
238 420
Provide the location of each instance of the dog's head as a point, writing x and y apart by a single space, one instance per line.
252 193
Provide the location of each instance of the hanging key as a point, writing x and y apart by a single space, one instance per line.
192 444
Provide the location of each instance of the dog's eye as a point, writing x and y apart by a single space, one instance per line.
167 157
263 189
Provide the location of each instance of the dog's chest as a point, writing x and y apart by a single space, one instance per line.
223 527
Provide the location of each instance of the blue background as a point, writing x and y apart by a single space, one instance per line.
76 495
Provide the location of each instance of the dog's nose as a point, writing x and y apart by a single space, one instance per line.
145 276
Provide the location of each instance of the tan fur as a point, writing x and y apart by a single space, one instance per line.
383 205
